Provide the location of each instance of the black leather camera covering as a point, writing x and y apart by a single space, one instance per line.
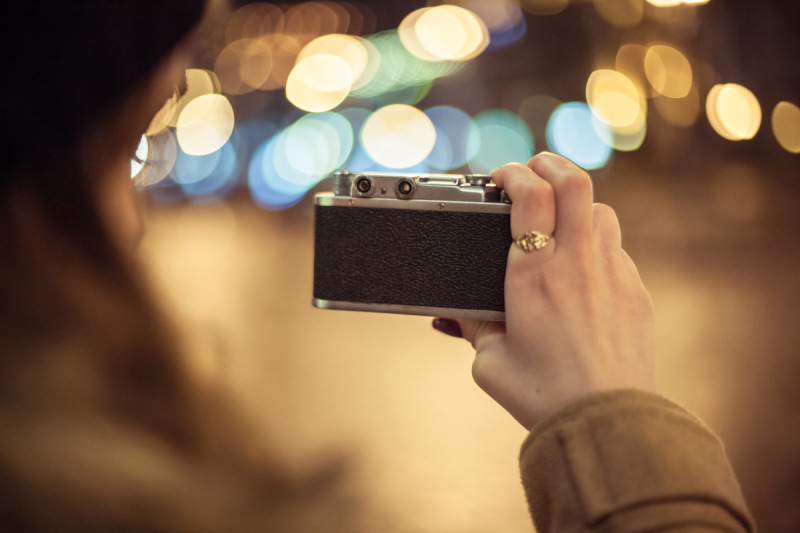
409 257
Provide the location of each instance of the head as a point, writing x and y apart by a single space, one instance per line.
110 430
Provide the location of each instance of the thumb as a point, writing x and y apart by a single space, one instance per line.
474 331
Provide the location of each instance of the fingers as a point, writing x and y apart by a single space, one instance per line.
573 197
532 203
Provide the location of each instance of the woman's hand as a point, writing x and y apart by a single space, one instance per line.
578 319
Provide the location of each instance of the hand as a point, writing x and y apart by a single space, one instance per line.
578 319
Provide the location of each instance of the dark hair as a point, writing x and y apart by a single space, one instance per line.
103 428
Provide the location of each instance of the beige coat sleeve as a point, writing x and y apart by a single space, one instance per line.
629 461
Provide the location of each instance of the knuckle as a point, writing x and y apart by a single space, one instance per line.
538 196
576 181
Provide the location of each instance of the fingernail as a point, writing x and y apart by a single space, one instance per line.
447 326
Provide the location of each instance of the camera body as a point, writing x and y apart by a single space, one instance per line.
432 245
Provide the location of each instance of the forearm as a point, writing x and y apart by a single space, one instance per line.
628 461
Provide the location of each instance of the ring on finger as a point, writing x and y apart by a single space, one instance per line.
532 241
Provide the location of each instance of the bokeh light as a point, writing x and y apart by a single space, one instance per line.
142 151
733 111
350 49
244 66
318 144
453 130
319 82
623 138
192 168
681 112
267 188
620 13
575 133
786 126
398 69
407 32
205 124
444 32
257 20
500 137
163 154
503 19
207 177
398 136
284 55
613 98
630 62
668 71
165 116
199 82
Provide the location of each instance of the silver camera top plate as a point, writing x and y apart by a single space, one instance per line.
435 192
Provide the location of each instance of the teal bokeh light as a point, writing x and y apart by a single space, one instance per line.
316 145
267 188
500 137
573 133
399 69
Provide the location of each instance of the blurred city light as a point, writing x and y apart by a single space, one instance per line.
209 176
254 21
165 116
164 153
319 82
575 133
500 137
443 32
733 111
317 144
623 138
613 98
205 124
267 188
620 13
630 62
244 66
350 49
668 71
398 136
142 151
192 168
398 69
313 53
503 18
453 131
786 126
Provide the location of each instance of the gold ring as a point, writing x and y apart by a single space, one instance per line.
533 240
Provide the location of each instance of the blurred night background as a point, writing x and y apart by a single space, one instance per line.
685 113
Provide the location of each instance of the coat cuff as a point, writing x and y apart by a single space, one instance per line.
629 456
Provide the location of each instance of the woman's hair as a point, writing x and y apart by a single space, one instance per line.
102 426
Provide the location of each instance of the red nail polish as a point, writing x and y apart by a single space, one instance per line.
448 326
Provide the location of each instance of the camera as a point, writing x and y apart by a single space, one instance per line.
431 244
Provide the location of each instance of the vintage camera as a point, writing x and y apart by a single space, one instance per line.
433 245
